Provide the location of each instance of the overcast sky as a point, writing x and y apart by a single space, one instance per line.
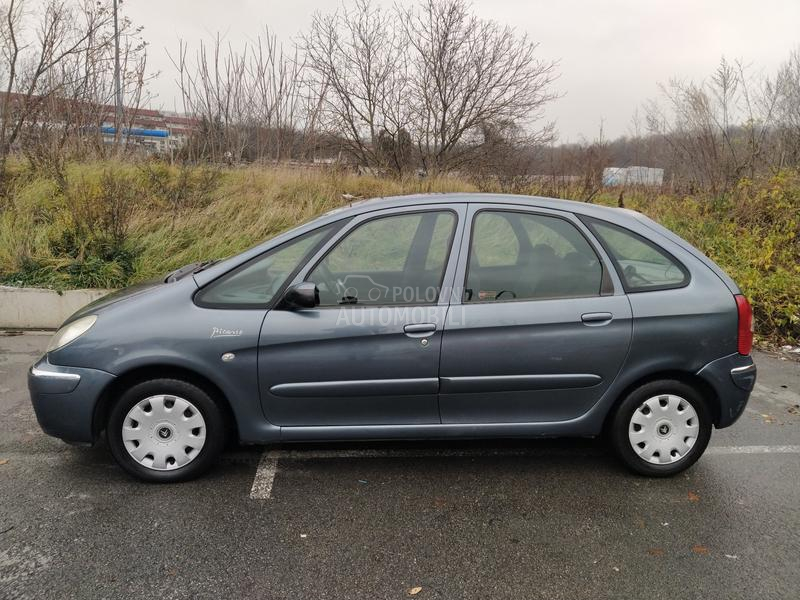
612 53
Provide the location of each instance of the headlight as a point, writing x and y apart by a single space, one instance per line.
71 331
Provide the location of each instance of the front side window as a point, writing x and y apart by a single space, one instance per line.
641 264
399 259
522 256
256 283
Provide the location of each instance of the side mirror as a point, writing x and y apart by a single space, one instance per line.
301 295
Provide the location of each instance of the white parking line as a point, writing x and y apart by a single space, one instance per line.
265 475
753 450
268 466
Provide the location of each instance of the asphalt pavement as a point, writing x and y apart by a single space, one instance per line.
498 519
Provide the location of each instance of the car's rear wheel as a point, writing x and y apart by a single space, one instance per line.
661 428
165 430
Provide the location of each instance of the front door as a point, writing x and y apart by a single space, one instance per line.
369 353
540 332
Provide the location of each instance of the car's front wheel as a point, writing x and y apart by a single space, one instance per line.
661 428
165 430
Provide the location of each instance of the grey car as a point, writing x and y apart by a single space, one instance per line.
432 316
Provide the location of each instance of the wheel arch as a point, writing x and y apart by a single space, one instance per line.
159 371
696 382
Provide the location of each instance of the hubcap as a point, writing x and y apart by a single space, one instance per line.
663 429
164 432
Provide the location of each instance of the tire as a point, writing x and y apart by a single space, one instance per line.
166 431
661 428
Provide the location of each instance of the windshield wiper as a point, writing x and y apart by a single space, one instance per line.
204 265
187 270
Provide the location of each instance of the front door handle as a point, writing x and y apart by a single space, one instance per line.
598 318
419 329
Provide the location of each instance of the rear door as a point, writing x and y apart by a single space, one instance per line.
369 353
542 325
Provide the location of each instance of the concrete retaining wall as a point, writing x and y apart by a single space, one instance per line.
33 308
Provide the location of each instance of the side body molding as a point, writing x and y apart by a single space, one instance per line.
512 383
365 387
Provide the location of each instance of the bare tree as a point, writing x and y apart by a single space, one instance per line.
468 74
356 55
718 130
434 73
71 117
34 63
247 99
787 109
213 89
276 86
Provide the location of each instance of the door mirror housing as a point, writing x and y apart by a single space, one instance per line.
299 296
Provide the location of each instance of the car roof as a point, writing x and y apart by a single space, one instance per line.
573 206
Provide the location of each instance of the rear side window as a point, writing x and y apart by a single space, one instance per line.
641 264
526 256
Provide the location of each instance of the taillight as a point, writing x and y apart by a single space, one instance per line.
745 342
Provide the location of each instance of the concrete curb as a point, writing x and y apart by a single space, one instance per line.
34 308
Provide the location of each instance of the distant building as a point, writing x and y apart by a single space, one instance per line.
613 176
151 130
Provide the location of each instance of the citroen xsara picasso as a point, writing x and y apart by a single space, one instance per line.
437 316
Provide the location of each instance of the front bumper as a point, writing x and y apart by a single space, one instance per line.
64 399
732 378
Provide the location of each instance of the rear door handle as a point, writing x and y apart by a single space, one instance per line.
598 318
419 329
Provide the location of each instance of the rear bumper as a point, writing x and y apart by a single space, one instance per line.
732 378
64 399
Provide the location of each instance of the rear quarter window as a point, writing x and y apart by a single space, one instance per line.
642 265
